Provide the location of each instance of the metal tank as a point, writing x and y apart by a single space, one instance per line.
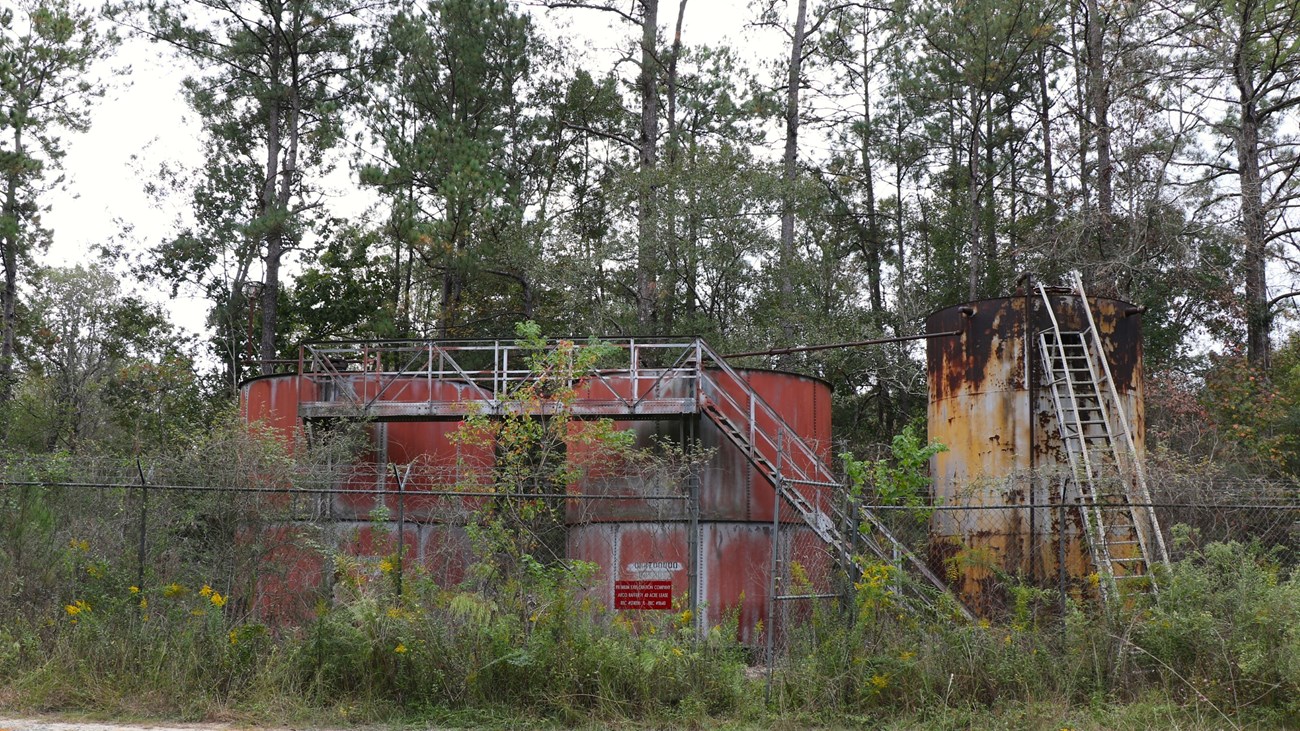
726 552
293 574
720 555
1005 459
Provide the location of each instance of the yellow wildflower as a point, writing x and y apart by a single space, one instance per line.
217 600
907 656
234 637
144 603
77 607
205 591
198 612
678 651
400 649
684 618
79 545
387 565
173 590
394 613
95 571
880 682
135 590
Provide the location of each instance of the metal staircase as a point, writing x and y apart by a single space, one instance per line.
1123 535
792 467
415 379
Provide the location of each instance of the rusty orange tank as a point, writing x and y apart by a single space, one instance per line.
1005 458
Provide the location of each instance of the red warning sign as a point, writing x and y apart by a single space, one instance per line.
643 595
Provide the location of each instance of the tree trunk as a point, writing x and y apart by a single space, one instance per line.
1045 124
268 208
9 297
1254 228
899 234
647 228
873 224
671 300
788 169
1081 105
1098 89
973 195
988 216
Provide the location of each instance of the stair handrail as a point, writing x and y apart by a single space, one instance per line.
818 463
806 451
1139 471
1089 503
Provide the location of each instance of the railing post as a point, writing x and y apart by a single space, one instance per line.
750 392
496 370
698 377
774 584
632 368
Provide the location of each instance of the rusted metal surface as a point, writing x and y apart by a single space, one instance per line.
648 534
988 405
730 487
273 401
734 564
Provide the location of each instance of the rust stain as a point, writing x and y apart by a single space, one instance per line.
982 410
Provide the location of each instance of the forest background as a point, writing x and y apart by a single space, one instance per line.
849 168
891 160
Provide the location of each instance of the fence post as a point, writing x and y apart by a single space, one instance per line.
144 512
1060 551
401 522
773 580
690 428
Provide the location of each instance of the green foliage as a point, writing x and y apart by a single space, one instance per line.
102 371
1225 630
272 81
1220 638
47 49
449 118
902 480
1257 413
532 444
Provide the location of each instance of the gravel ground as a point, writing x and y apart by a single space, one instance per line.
43 724
38 724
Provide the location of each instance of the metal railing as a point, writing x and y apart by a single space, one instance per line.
455 378
647 378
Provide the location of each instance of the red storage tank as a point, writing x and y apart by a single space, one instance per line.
726 548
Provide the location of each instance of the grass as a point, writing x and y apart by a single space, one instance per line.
518 645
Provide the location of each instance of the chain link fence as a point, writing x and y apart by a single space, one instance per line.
276 535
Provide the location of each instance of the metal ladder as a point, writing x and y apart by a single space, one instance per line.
741 414
1122 532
